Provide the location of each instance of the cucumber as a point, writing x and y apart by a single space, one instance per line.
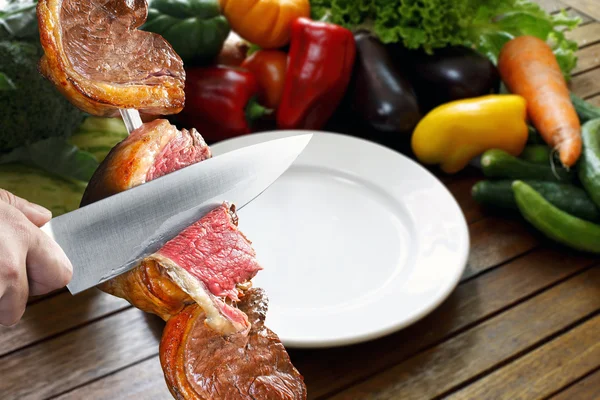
497 163
589 163
554 223
585 110
56 194
565 197
536 153
534 136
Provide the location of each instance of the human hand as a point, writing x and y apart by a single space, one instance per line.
31 263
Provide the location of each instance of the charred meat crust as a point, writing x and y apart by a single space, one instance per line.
255 366
148 288
128 163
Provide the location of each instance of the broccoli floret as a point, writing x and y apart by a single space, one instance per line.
35 110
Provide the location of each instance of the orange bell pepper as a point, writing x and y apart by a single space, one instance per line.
268 66
266 23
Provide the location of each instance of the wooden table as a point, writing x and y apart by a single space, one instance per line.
524 323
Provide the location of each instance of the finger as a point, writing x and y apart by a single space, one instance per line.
34 212
48 268
13 288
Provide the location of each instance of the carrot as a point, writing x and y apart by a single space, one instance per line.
529 68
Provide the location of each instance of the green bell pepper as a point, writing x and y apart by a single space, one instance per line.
195 28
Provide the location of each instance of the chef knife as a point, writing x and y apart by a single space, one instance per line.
109 237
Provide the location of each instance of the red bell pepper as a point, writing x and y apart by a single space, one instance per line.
220 102
320 63
269 68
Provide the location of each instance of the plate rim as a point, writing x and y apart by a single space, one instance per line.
445 290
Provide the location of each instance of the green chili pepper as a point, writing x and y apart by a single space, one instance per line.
555 224
195 28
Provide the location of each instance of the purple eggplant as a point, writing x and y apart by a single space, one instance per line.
450 73
380 95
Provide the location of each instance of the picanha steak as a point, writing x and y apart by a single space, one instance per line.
212 368
215 344
199 282
98 59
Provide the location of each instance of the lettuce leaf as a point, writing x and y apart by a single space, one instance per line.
430 24
490 30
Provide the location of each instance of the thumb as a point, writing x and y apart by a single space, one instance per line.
35 213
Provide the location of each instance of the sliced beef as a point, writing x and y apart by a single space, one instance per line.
151 151
200 364
208 260
97 57
215 344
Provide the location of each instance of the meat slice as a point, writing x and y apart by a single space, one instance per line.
206 263
151 151
200 364
99 60
208 260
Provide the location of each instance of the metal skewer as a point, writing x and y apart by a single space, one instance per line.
132 119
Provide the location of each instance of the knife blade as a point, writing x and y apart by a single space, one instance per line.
110 237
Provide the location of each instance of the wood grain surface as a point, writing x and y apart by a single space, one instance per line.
524 322
586 388
588 7
544 371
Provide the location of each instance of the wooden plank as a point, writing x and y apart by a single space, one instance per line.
551 6
585 19
328 370
588 58
59 364
470 302
586 84
586 389
463 357
496 240
595 100
588 7
56 315
461 190
585 35
544 371
35 299
141 381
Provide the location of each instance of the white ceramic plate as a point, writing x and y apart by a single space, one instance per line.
356 240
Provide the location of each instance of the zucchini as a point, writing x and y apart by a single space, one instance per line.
589 163
536 153
497 163
585 110
554 223
565 197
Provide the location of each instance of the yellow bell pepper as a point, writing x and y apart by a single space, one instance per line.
455 133
266 23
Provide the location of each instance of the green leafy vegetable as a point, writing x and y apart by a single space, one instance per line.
35 110
6 83
430 24
57 156
18 20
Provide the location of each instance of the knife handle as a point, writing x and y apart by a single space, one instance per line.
47 229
